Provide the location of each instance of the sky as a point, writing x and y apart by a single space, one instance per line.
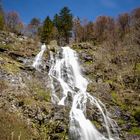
89 9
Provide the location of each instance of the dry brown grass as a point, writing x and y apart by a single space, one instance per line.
12 128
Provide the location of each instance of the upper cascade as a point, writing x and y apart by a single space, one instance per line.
65 71
38 59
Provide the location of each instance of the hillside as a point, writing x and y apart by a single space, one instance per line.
26 111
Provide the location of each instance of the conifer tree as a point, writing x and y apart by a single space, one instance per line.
66 23
63 23
47 31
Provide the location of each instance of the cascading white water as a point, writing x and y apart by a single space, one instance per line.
38 59
65 70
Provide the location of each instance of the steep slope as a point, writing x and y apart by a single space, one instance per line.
26 111
114 79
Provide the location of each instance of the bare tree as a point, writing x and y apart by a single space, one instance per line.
33 27
13 22
123 22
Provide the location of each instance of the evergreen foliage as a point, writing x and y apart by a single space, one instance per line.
63 23
47 31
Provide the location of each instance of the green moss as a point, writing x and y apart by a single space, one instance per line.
114 96
135 130
43 94
9 65
7 47
136 114
51 131
97 124
109 81
40 92
12 68
63 136
118 100
89 62
121 122
76 47
28 101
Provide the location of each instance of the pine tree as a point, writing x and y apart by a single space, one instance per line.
66 23
47 31
63 23
56 21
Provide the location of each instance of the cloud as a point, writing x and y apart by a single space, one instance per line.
109 3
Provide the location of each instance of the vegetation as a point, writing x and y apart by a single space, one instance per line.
109 50
63 23
64 26
13 22
60 29
33 27
11 127
2 21
46 34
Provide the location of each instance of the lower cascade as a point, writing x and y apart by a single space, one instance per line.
65 73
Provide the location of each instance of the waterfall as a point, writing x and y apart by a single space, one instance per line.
65 72
38 59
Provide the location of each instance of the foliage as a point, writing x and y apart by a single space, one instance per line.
135 130
63 23
47 30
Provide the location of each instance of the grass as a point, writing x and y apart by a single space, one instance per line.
135 130
44 95
50 131
118 100
11 127
138 67
40 92
3 85
7 47
9 65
